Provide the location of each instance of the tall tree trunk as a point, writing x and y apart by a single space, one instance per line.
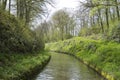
18 8
27 12
0 3
62 34
9 6
101 22
117 10
111 17
107 18
4 4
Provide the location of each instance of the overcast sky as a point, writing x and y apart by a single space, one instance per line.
60 4
66 4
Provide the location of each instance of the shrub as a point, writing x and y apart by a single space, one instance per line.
115 34
15 36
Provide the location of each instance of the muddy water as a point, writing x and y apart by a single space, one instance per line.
65 67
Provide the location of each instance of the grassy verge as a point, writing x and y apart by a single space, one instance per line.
22 66
103 56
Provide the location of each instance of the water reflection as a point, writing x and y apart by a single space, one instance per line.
64 67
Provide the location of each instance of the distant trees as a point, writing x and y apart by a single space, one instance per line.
100 14
59 27
60 21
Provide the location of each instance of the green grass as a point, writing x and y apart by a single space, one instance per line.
104 56
14 66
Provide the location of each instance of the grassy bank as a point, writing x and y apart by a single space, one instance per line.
21 66
103 56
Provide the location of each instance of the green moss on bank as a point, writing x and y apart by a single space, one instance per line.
19 66
100 55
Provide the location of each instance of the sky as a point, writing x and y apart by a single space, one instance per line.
66 4
60 4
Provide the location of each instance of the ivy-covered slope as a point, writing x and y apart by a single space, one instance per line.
103 56
15 36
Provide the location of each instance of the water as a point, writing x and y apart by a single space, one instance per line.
65 67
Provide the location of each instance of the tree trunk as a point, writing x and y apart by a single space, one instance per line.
117 10
27 12
9 6
101 23
4 4
107 18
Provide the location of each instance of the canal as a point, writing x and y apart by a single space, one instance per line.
65 67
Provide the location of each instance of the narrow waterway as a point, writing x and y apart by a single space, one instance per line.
65 67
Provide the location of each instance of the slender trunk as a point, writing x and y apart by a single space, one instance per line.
9 6
18 8
62 33
107 18
101 23
117 10
27 12
114 13
93 20
4 4
0 3
111 17
21 9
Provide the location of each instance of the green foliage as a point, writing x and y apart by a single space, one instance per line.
94 32
104 18
63 24
115 34
104 56
15 36
16 65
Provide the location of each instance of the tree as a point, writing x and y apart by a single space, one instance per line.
99 14
27 10
15 33
63 22
3 4
9 6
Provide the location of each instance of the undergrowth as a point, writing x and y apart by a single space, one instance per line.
101 54
12 66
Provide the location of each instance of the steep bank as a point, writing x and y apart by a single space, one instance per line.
103 56
20 46
22 66
16 36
